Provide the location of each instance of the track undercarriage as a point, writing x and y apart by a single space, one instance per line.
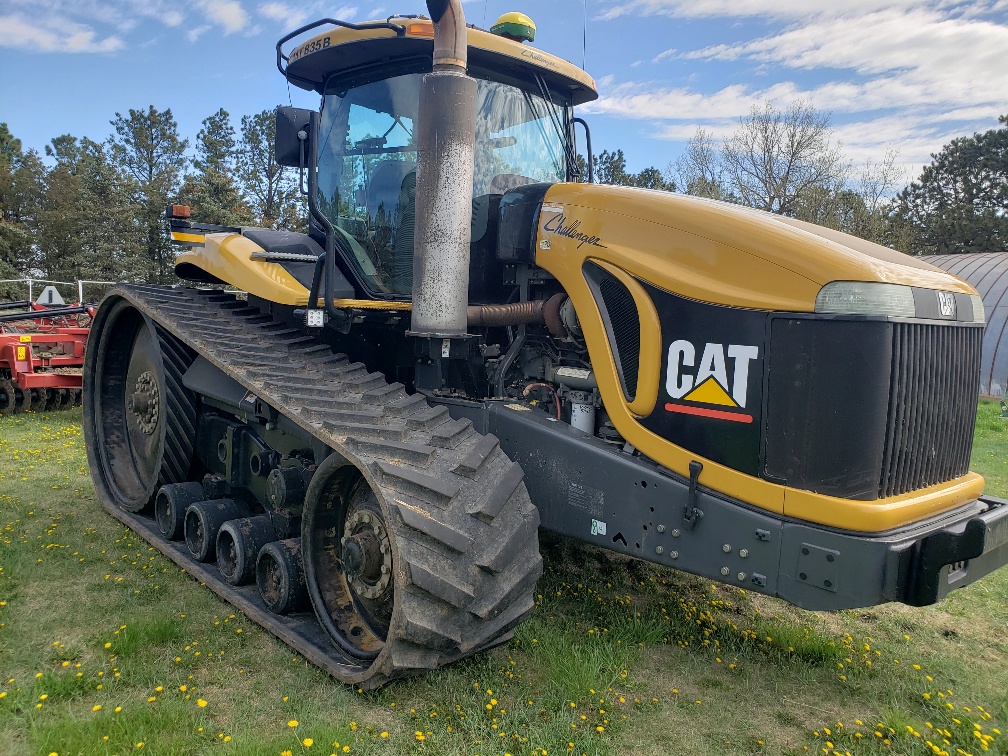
416 534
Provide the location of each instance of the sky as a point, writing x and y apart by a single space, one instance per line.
894 75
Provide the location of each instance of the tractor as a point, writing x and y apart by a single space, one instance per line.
474 341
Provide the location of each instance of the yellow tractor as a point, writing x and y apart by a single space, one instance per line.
474 340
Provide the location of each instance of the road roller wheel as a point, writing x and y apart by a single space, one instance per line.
7 403
38 399
139 420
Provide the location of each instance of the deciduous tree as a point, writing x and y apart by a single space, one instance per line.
775 157
21 176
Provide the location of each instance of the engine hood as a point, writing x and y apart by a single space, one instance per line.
715 251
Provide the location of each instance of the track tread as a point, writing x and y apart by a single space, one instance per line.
428 524
465 527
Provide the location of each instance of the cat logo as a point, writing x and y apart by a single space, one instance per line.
724 399
947 304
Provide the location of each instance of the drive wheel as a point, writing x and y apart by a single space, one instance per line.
139 420
408 570
348 560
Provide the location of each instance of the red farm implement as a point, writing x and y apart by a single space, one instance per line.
41 355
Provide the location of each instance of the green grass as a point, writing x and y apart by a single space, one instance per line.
105 645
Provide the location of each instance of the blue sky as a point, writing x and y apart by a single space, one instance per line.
907 75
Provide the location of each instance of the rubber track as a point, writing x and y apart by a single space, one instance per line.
465 529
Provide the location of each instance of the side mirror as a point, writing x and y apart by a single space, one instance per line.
287 145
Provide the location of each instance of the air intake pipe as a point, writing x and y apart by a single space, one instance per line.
446 134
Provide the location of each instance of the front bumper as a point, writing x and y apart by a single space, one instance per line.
626 503
955 555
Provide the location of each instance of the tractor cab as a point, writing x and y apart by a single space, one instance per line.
367 159
365 154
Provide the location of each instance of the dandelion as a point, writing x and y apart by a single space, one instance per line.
292 723
308 742
96 707
201 703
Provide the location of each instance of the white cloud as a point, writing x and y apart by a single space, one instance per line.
196 32
54 35
913 73
773 9
289 17
228 14
52 26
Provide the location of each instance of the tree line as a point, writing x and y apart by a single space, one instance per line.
95 209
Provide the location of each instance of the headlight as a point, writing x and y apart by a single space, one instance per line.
866 298
978 309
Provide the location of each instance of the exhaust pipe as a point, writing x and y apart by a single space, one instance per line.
446 134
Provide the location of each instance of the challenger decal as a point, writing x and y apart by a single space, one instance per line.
710 383
560 225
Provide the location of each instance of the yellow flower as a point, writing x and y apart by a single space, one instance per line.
201 703
308 742
292 723
96 707
384 734
285 753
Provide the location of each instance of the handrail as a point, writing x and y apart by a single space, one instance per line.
399 29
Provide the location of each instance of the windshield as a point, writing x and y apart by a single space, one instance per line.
367 165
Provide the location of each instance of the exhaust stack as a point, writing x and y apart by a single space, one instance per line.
446 134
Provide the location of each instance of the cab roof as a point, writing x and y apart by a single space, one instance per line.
347 48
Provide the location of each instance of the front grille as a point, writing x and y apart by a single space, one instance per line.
932 405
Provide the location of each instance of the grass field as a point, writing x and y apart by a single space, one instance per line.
107 648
